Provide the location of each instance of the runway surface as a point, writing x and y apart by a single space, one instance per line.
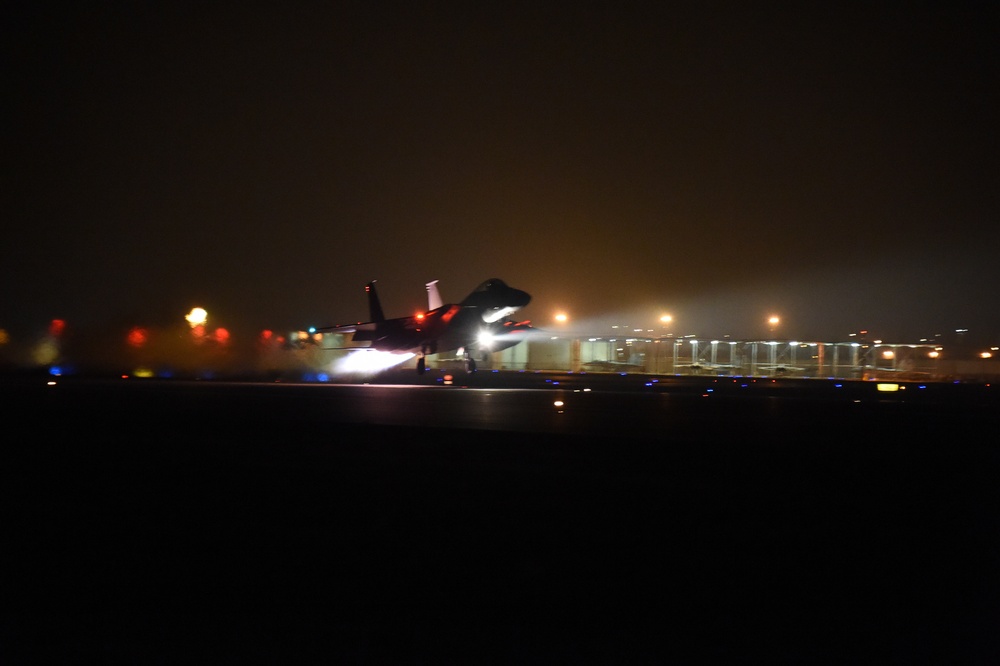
413 521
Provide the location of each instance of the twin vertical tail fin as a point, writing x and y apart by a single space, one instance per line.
433 296
374 306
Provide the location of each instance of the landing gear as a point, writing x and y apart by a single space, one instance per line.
421 365
470 360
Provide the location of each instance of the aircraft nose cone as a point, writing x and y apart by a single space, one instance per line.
521 298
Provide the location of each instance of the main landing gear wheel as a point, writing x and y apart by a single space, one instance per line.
470 364
421 365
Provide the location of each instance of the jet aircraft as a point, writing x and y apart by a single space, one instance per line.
476 326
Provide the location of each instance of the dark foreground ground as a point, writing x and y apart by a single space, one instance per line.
173 523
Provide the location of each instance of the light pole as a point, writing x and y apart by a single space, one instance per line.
665 320
772 323
197 317
561 320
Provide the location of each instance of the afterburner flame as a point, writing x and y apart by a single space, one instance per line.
368 362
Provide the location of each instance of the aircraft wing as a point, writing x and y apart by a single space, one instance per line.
359 336
347 328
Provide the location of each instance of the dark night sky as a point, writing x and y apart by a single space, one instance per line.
831 162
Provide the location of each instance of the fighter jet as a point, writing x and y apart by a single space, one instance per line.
474 327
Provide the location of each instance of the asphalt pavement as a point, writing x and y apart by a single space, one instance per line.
161 522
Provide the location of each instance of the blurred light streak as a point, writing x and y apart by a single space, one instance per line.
46 352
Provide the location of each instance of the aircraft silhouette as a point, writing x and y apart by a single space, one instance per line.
476 326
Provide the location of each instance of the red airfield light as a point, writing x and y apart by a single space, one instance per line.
138 336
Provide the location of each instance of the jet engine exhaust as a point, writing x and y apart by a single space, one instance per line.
368 362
